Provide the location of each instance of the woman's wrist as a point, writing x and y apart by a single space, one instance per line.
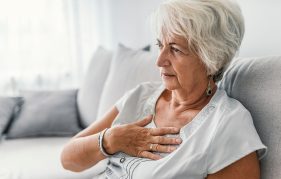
108 142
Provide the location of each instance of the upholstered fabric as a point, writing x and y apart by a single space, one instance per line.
256 83
7 105
38 158
92 86
128 69
46 113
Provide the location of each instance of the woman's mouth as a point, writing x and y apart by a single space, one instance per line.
167 75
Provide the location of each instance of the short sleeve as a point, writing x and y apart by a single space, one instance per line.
234 138
121 102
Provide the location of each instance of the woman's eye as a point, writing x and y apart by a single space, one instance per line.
175 50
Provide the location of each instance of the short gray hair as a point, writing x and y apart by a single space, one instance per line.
214 29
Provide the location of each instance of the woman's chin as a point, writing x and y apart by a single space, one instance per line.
169 85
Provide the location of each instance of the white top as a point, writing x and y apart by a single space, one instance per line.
220 134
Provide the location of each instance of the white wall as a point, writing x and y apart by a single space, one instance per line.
263 27
126 21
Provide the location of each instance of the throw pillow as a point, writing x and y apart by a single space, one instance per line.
46 113
146 48
128 69
91 89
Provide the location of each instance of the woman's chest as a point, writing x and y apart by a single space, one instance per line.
167 116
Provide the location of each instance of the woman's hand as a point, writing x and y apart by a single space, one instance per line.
136 140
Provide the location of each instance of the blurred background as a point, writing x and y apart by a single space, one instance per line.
47 44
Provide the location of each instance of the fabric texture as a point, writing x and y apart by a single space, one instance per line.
256 83
7 106
210 141
91 88
46 113
128 68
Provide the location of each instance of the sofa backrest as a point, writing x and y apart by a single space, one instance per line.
256 83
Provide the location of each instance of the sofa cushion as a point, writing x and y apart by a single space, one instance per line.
91 88
128 68
39 158
46 113
7 106
256 83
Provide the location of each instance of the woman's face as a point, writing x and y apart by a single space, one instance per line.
179 69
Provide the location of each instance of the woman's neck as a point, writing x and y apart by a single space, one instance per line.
181 101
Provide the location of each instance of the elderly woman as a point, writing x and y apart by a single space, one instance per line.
184 126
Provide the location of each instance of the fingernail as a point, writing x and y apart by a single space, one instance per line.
158 158
178 140
173 149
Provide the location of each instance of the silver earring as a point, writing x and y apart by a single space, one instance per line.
209 89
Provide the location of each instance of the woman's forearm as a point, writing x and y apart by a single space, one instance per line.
81 153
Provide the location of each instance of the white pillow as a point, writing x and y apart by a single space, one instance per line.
128 69
91 89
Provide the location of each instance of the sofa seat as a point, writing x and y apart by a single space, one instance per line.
35 158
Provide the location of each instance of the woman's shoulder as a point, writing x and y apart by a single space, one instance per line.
227 103
232 127
229 111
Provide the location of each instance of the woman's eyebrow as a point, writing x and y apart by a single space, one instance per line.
181 46
173 43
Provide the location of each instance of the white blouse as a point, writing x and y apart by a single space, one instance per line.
220 134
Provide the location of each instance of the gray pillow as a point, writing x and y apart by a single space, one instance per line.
7 106
146 48
46 113
256 83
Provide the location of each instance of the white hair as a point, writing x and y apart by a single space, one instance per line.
214 29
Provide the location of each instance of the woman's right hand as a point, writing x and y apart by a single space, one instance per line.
136 140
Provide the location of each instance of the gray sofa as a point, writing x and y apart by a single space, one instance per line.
36 158
256 83
253 81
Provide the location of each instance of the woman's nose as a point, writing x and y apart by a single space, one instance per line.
162 59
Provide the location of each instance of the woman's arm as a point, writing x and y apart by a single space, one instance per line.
82 150
245 168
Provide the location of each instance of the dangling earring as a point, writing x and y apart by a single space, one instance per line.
209 89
